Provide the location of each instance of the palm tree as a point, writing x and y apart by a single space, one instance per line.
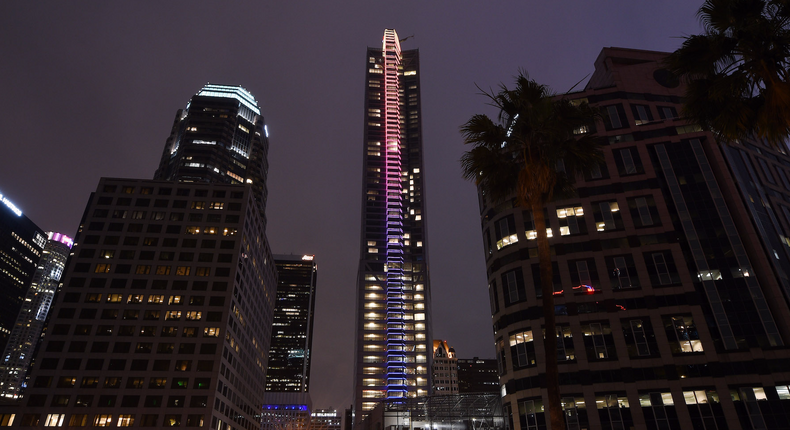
535 150
737 70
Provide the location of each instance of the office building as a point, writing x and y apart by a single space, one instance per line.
164 317
326 419
220 137
286 411
670 272
393 326
21 244
444 369
165 312
292 328
477 375
18 354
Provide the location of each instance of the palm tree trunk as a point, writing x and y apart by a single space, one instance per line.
556 417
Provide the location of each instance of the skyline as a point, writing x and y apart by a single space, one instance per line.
114 95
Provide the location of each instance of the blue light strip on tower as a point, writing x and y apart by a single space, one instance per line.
396 357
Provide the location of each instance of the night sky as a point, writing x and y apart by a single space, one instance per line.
91 89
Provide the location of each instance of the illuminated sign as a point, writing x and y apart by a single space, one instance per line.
308 257
62 238
10 205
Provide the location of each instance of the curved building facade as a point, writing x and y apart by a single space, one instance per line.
669 272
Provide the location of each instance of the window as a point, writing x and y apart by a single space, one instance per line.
103 268
642 114
505 232
102 420
598 341
584 276
513 286
522 349
704 409
666 112
661 268
682 334
607 216
751 397
54 420
643 211
571 221
613 410
628 161
614 117
622 272
575 412
659 410
531 415
565 349
182 270
125 420
639 338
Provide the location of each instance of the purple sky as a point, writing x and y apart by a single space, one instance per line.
91 88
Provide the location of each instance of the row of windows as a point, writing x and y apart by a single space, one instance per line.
170 242
606 217
157 228
166 191
145 269
91 313
165 203
599 344
585 279
130 254
103 420
659 409
161 215
156 284
141 298
106 330
140 365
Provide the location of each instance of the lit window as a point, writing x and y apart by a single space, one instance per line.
103 268
125 420
211 332
54 420
182 270
102 420
173 315
156 299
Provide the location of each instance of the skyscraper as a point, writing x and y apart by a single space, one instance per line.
292 328
164 319
18 354
220 137
444 369
393 334
21 244
670 272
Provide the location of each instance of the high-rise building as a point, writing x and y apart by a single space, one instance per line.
220 137
164 317
18 353
670 272
477 375
21 244
292 328
393 334
325 419
444 369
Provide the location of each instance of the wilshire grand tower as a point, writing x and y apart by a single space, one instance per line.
393 336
